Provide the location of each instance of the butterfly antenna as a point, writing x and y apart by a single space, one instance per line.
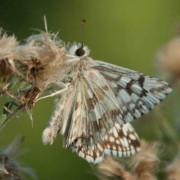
83 21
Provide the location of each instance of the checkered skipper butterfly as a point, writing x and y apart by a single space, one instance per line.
98 102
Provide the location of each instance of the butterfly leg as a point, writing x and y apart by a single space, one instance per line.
53 94
55 122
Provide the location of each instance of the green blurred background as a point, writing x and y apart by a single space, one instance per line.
128 33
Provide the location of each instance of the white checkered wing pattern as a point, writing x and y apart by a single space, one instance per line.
120 141
135 92
94 113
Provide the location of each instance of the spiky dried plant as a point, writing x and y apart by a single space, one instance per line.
110 168
169 59
173 170
9 167
7 66
28 70
145 162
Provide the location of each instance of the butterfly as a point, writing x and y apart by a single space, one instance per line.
97 104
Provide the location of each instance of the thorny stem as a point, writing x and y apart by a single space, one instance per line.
11 115
11 95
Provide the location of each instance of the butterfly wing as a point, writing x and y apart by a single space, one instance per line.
136 93
95 110
61 116
120 141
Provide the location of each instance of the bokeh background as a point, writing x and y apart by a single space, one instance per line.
127 33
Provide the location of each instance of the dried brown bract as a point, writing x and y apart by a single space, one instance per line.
29 96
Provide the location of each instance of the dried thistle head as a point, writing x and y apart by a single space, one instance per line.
30 69
37 61
9 167
41 59
111 168
173 170
144 162
7 46
169 58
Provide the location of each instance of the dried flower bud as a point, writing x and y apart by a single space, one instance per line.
169 58
7 45
145 161
173 170
111 168
41 59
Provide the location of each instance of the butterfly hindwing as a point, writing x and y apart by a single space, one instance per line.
120 141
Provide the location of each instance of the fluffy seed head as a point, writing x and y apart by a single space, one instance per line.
173 170
169 58
144 162
7 46
111 168
42 59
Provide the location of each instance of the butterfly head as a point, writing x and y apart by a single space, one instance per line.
79 50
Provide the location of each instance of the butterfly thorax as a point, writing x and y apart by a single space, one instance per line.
73 72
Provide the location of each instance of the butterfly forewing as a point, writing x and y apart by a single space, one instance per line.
95 110
136 93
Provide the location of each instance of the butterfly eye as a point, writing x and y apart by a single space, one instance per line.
80 51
